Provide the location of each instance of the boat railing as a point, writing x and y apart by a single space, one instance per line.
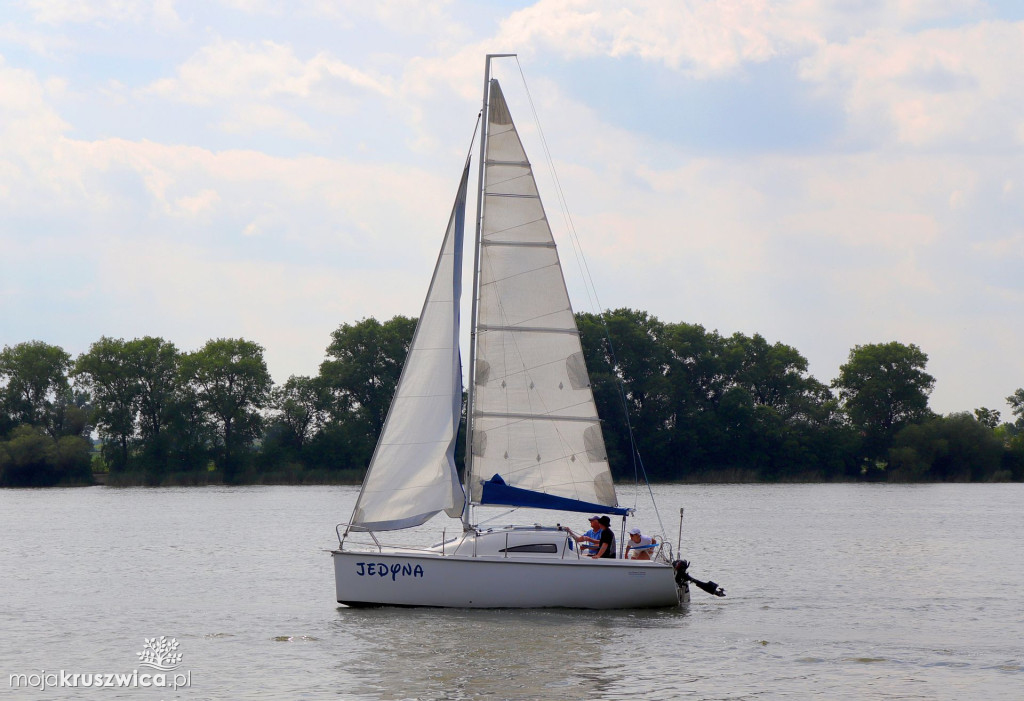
345 532
348 527
659 554
445 544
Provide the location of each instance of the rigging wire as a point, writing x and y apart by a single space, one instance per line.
501 515
591 290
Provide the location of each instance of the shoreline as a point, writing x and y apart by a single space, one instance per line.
116 481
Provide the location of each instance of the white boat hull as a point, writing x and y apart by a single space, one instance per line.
459 581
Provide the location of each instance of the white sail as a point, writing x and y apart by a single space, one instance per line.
534 421
412 475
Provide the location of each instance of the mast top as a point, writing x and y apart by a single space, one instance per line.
487 71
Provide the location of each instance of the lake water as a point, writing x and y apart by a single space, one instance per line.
834 591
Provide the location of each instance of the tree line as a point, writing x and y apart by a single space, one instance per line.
702 407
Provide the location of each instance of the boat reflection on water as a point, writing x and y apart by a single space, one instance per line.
515 653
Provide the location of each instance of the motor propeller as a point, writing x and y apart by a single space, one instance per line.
682 577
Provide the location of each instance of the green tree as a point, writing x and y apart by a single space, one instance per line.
702 372
883 387
361 372
190 432
743 403
232 385
36 376
699 402
952 448
987 417
628 364
300 408
1016 402
133 384
155 365
775 375
790 409
72 414
107 370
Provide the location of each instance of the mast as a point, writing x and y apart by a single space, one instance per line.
471 390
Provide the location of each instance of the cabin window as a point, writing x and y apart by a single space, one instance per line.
531 548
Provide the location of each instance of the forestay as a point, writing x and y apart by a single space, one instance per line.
412 474
534 420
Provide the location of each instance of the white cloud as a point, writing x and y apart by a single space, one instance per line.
420 15
430 16
232 243
938 86
31 133
196 204
229 70
264 86
42 43
160 12
707 39
822 251
1008 247
183 294
252 118
703 40
57 11
225 231
700 38
274 7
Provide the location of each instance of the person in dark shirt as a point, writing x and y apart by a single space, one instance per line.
607 539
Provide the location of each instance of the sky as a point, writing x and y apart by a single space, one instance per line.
824 173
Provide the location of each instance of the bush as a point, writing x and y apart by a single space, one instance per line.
31 458
954 448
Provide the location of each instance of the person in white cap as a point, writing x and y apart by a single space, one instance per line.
640 544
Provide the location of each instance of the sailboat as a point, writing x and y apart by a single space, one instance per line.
533 438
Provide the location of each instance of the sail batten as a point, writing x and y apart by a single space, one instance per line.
523 244
526 329
537 417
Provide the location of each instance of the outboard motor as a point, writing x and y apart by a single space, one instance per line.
682 577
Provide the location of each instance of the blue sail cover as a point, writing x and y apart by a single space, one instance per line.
495 491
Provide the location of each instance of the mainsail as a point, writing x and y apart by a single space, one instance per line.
412 475
534 421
